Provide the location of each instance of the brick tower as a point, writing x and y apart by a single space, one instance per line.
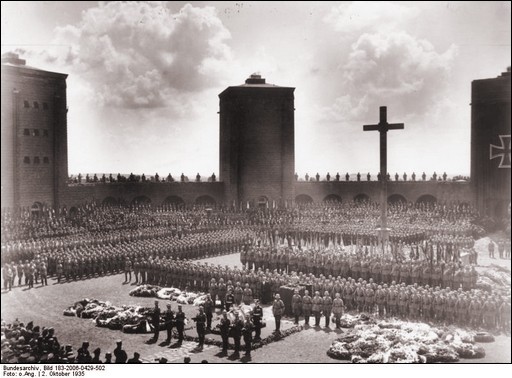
490 144
257 143
34 134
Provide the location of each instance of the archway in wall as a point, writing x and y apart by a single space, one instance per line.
110 201
333 198
262 202
141 200
302 199
361 197
396 198
36 209
427 199
73 211
205 200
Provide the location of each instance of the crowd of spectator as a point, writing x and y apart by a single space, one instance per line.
110 178
27 343
377 177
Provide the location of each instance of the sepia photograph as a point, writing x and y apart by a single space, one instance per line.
254 182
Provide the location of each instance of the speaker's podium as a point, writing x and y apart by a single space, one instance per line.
286 293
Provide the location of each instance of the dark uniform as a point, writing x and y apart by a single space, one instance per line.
327 308
317 303
257 318
169 322
238 325
307 306
337 309
155 321
224 331
208 310
180 324
229 300
200 320
247 333
278 311
296 306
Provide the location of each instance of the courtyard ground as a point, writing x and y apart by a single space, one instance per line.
45 305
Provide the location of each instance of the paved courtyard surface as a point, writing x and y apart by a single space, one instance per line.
232 260
484 260
45 305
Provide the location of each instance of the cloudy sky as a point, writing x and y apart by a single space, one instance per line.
144 77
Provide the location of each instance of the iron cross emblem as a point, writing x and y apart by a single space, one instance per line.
502 151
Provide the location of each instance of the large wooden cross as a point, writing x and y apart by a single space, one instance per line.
382 127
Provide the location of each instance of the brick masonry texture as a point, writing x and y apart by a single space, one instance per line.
33 100
256 151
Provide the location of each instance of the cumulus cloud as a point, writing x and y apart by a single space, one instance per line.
398 68
362 15
140 54
345 108
385 65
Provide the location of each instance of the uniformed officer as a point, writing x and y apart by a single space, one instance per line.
491 248
247 334
348 294
369 298
317 304
359 296
296 305
381 299
439 306
307 306
403 300
414 305
238 293
247 295
127 270
200 320
169 322
213 290
30 275
224 331
59 271
278 311
155 321
19 269
427 305
229 300
257 319
7 275
44 274
236 330
208 310
136 270
337 309
392 300
222 290
489 313
327 307
180 324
